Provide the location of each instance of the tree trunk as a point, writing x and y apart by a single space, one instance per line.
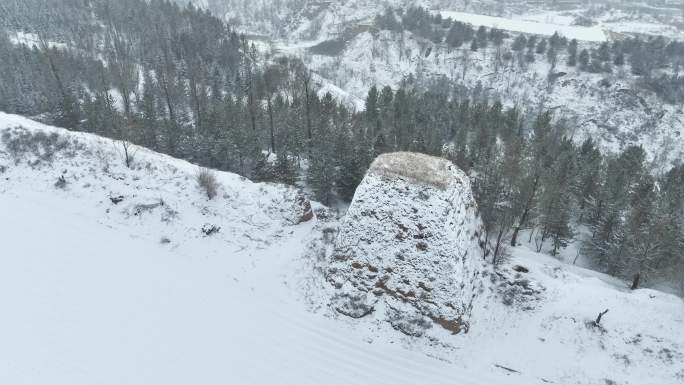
196 101
164 83
635 281
309 133
514 237
126 154
497 248
270 118
526 212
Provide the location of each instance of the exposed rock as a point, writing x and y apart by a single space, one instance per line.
517 291
293 206
209 229
409 250
305 208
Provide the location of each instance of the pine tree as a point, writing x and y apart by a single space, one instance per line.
589 175
352 168
481 36
572 53
556 201
519 43
473 45
263 170
284 170
606 240
148 114
541 47
584 60
670 208
372 109
644 243
322 172
603 52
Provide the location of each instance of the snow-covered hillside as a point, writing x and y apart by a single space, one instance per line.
95 292
610 108
607 107
108 278
296 20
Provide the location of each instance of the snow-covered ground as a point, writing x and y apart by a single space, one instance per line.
92 295
33 40
325 86
94 292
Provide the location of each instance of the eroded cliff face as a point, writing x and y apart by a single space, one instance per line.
410 250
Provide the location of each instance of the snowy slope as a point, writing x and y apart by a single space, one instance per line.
91 296
91 292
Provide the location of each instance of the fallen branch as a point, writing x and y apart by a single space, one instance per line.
506 369
598 319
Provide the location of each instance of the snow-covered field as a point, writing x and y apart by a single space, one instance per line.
94 292
611 20
594 34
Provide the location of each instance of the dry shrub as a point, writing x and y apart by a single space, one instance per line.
20 142
207 182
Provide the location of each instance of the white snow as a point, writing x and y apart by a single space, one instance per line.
595 34
90 295
325 86
33 40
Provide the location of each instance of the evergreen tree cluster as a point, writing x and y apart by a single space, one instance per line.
179 81
655 60
529 176
433 27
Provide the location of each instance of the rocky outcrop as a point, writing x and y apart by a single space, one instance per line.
303 208
410 250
